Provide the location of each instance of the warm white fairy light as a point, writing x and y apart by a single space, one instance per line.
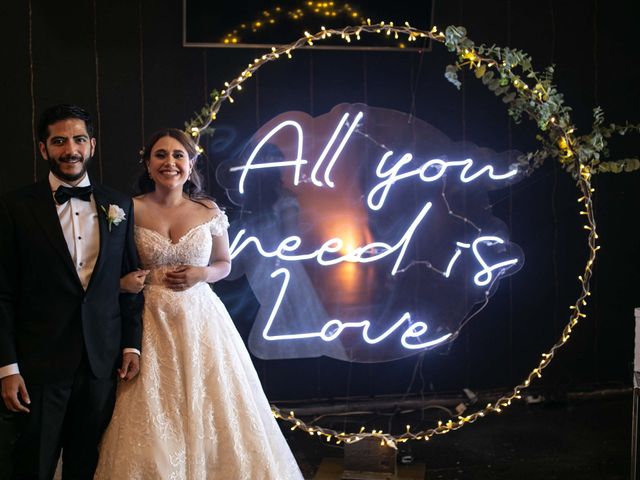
537 95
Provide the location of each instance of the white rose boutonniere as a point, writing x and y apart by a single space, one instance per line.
114 215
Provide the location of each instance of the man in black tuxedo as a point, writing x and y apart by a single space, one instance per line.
64 326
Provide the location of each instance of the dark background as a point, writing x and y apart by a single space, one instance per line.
271 23
124 60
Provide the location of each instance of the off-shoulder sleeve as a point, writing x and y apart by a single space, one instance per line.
219 224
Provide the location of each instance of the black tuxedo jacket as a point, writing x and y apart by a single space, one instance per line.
46 316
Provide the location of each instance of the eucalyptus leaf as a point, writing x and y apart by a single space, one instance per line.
509 97
487 77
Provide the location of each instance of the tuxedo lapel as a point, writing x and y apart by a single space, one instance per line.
44 210
102 201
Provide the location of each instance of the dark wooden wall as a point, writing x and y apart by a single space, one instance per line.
124 60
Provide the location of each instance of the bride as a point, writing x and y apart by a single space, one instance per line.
197 409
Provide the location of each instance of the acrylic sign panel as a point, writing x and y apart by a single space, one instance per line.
366 234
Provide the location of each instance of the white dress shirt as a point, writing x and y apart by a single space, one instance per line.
79 222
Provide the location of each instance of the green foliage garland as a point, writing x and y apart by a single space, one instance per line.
509 74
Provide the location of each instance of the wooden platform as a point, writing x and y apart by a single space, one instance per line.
331 469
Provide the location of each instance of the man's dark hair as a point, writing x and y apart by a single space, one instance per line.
62 112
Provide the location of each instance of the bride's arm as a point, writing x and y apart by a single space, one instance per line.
220 262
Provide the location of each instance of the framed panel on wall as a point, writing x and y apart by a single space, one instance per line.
257 24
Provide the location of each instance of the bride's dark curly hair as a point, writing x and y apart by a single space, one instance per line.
193 186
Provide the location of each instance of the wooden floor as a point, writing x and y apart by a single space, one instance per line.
586 440
570 439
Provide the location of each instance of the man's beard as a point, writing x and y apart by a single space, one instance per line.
54 166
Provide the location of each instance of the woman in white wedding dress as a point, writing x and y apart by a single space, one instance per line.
197 409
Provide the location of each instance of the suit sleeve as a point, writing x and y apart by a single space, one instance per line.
8 282
131 304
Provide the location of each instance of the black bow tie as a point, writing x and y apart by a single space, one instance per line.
63 193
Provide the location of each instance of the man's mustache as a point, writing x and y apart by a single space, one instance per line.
70 158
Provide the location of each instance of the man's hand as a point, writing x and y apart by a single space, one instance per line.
14 389
130 366
133 282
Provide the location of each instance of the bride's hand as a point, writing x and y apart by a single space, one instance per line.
133 282
184 277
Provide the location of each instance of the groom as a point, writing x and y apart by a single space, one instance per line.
64 326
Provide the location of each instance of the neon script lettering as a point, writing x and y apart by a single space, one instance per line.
389 174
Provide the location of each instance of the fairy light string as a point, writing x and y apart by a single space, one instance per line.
527 93
270 17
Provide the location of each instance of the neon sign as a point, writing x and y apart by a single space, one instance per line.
382 232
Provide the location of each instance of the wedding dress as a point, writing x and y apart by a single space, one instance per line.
197 409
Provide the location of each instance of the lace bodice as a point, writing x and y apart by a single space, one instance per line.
158 252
